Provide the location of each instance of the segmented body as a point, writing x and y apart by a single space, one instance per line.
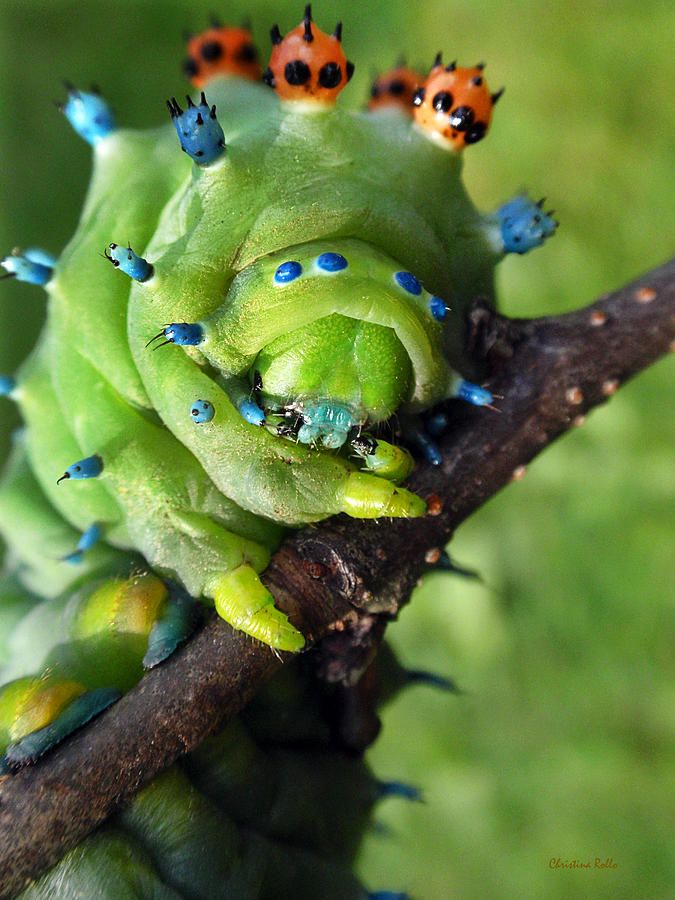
298 275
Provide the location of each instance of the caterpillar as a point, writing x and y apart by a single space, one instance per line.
270 807
230 330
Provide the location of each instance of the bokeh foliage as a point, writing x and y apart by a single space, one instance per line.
563 744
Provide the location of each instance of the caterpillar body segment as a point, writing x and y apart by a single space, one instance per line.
106 633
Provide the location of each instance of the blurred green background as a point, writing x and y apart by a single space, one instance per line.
562 746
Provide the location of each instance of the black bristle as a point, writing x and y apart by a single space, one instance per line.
174 108
307 22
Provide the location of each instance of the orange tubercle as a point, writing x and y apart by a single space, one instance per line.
308 65
221 51
395 88
454 106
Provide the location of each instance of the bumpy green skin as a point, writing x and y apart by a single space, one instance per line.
203 504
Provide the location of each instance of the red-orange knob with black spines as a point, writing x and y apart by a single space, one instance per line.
395 88
308 65
454 106
221 51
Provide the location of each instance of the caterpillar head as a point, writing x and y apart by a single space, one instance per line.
455 106
395 88
221 51
308 64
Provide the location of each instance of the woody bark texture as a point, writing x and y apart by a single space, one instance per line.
340 581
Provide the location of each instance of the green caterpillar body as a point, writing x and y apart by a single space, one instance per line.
214 238
312 269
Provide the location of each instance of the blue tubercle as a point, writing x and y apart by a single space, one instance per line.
438 308
202 411
40 256
186 334
420 676
7 385
90 467
387 895
408 282
436 423
89 537
415 434
331 262
132 265
89 114
399 789
524 225
287 271
251 412
199 131
33 266
474 394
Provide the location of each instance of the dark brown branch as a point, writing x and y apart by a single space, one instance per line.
341 577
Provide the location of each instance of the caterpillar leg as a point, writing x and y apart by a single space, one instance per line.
384 459
370 497
38 712
76 714
245 603
116 628
174 624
